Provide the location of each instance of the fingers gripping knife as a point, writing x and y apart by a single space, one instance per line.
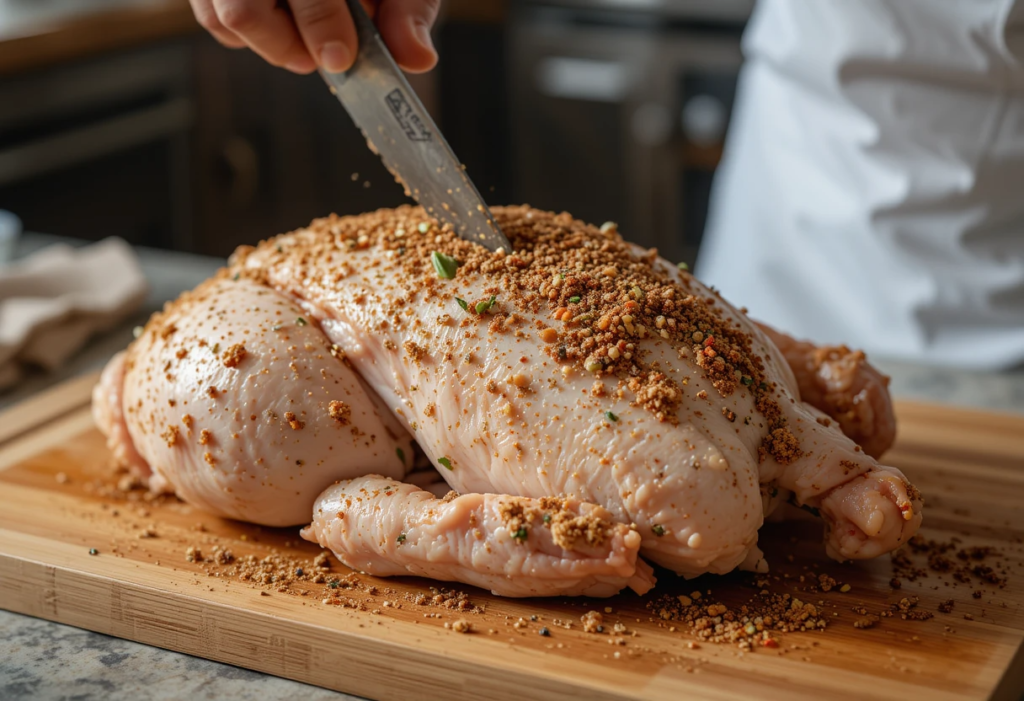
398 128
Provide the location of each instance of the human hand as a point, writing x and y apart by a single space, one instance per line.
301 35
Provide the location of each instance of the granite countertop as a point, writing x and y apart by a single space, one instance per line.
44 660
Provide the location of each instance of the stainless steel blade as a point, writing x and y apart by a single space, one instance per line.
398 128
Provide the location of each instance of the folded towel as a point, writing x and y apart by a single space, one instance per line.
52 302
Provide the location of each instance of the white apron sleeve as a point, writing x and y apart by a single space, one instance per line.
872 189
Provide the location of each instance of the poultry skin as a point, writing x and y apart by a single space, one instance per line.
577 379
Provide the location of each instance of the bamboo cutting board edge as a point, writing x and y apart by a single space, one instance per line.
64 414
226 633
231 633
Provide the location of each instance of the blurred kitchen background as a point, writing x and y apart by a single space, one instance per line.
121 117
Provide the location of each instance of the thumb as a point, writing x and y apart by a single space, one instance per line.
405 26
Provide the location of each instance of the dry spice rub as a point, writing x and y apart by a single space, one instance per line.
607 301
754 624
567 527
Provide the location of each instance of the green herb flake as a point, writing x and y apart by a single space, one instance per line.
463 303
401 454
445 462
423 227
445 266
520 535
279 249
216 348
94 551
236 276
574 299
401 539
747 380
333 584
547 518
658 530
683 266
300 321
482 307
762 386
610 416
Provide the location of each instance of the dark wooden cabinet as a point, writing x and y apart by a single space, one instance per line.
271 151
101 147
185 145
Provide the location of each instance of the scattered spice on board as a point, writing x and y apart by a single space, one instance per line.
965 565
749 626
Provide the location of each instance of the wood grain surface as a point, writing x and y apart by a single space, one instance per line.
84 34
59 500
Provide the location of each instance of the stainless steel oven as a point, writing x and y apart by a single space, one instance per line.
619 110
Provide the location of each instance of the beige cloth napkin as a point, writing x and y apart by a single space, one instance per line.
52 302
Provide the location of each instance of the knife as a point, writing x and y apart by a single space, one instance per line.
398 128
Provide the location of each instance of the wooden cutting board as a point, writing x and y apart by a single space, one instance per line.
58 500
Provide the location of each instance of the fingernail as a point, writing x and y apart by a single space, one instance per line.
335 57
301 67
422 33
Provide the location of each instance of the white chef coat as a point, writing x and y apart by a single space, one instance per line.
872 187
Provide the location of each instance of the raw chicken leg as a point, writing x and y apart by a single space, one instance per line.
575 365
510 545
841 383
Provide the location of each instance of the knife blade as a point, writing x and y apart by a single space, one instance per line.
398 128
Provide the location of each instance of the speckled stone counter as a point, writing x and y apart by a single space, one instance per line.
40 660
987 391
43 660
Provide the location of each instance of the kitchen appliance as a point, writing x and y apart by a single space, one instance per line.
620 108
